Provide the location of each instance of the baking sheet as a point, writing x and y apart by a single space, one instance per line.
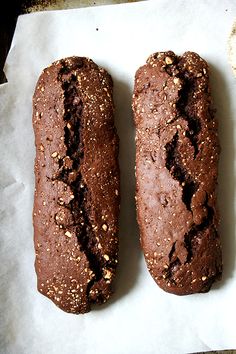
140 317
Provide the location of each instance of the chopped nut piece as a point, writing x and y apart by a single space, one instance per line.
68 234
108 274
104 227
168 60
176 80
204 278
106 257
61 201
54 154
41 147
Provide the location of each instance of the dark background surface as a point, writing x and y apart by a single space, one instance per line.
8 17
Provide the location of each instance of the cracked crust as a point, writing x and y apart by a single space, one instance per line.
177 152
76 201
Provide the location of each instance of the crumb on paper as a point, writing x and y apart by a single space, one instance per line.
232 47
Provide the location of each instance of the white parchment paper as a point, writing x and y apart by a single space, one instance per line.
140 317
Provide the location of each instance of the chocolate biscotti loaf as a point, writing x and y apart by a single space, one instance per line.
76 202
177 151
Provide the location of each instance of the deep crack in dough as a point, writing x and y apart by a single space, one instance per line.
177 151
76 201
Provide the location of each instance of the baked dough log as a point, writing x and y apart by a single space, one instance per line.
177 151
76 202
